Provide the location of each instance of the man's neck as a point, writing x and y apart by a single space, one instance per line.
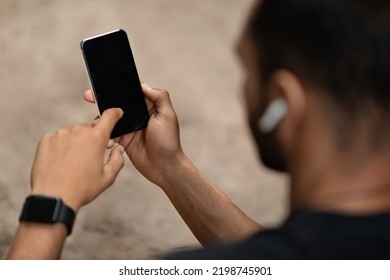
362 192
353 180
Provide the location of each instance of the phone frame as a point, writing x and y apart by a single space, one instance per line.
142 124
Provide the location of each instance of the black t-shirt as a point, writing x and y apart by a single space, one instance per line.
308 235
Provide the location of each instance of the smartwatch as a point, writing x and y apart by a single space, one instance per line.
47 210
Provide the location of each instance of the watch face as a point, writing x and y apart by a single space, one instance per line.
41 209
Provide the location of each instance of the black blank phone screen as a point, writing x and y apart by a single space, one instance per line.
115 80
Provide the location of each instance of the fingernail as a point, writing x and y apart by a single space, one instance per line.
121 149
120 109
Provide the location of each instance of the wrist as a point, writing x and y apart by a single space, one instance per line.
65 197
175 172
47 210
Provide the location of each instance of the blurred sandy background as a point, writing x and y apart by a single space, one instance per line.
182 45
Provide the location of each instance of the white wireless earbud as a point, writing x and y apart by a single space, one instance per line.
273 114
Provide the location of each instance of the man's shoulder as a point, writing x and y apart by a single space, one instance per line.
269 244
309 235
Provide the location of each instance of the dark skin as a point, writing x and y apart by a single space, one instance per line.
156 152
324 177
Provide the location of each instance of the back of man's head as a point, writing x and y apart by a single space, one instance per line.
340 47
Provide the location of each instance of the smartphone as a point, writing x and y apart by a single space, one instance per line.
114 79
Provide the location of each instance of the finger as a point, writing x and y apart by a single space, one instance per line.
149 104
88 96
126 139
114 164
108 120
159 97
149 92
95 121
110 144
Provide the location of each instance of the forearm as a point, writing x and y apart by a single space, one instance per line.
38 241
208 212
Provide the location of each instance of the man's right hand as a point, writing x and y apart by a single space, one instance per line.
70 162
156 150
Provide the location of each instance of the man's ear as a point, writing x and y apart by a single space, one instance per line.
284 85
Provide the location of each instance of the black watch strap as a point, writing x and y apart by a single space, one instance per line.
67 216
47 209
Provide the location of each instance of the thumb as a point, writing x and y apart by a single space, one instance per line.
159 98
114 164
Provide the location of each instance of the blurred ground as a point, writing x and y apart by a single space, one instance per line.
182 45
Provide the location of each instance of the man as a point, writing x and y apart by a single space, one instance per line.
318 101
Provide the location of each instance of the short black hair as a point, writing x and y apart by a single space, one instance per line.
341 46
